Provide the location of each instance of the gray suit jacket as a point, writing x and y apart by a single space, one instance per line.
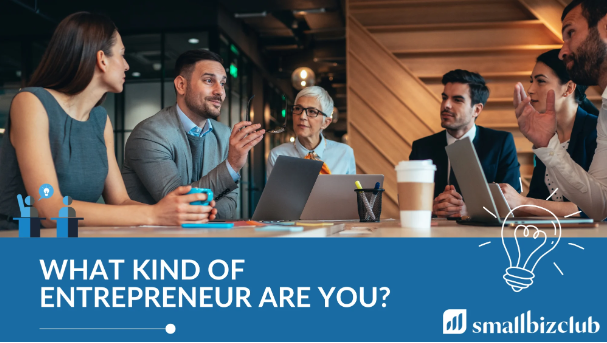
158 159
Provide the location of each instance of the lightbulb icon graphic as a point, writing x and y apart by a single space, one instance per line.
520 275
46 191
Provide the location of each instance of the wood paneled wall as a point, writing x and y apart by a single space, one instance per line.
398 50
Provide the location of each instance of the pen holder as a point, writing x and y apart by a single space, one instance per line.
369 204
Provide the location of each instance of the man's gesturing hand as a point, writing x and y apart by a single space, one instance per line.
539 128
241 142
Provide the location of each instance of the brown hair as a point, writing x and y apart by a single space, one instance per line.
69 61
185 62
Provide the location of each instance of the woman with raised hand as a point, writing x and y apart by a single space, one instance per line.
576 120
57 133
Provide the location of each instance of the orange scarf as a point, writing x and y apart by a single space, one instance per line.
325 169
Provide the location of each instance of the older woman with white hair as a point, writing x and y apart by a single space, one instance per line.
312 113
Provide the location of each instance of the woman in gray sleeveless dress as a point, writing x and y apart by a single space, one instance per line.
58 134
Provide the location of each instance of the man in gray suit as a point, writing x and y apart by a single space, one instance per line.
185 145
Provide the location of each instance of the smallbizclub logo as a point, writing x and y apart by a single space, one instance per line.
454 322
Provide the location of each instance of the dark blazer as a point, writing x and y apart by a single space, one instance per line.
495 149
582 145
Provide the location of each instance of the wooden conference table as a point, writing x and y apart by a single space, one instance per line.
386 228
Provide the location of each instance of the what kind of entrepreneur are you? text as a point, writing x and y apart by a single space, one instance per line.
180 296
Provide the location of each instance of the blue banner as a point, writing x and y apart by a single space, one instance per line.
367 289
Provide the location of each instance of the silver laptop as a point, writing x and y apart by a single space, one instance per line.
501 204
333 197
480 202
287 189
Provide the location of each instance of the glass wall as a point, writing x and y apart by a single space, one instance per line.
278 111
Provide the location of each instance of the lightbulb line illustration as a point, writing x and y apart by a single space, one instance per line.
518 277
535 236
556 231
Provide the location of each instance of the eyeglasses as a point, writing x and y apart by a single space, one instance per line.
310 111
276 130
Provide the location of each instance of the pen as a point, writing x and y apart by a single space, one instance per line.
365 201
374 196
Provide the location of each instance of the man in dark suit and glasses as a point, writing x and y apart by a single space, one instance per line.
464 97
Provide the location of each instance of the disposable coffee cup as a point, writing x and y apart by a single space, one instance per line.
415 193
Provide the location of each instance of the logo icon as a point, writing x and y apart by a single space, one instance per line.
454 322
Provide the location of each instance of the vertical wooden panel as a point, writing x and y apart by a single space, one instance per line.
388 108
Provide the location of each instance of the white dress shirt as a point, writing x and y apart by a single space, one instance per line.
588 190
450 140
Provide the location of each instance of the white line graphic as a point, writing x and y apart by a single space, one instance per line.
572 214
548 198
484 244
490 212
520 275
577 246
557 267
521 181
102 328
170 329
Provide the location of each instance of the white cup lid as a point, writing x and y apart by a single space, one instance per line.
410 165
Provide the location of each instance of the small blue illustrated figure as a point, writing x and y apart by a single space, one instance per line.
27 212
67 212
67 223
29 223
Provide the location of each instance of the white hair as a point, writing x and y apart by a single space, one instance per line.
320 94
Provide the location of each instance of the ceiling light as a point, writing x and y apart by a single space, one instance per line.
193 40
292 139
303 77
157 66
136 74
